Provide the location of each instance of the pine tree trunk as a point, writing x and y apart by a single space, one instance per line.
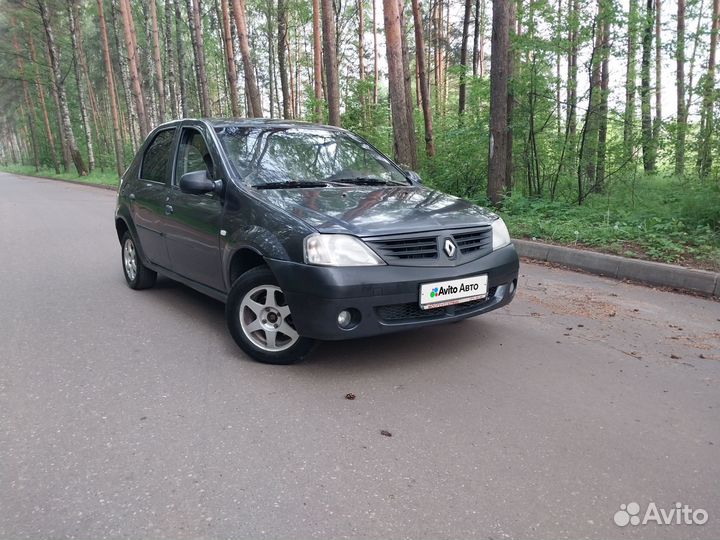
658 75
22 138
147 69
282 18
423 78
291 76
571 122
13 154
43 105
242 96
112 94
375 54
403 131
297 98
182 85
476 39
60 86
124 76
66 156
648 145
463 57
251 87
28 103
330 62
603 109
480 31
157 61
690 87
77 46
229 47
98 120
436 15
220 66
499 78
135 80
13 145
170 59
587 167
196 31
272 87
681 127
361 41
705 149
630 82
407 81
514 23
558 79
446 58
317 61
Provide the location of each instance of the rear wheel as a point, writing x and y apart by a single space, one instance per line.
137 275
260 321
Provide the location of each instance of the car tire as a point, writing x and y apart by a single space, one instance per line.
137 275
260 322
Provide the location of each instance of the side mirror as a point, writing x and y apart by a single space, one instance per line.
414 178
198 183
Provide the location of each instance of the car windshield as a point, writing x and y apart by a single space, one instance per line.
272 157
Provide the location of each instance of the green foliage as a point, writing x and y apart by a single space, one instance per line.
368 120
655 218
460 162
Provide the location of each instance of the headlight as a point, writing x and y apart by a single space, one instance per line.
501 235
339 250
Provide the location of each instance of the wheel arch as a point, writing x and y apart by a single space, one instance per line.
121 227
243 259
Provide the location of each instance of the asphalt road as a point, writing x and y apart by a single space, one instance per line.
130 414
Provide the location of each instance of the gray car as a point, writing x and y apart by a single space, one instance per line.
306 232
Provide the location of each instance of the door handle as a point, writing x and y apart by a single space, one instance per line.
168 209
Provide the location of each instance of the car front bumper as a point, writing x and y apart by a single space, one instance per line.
385 297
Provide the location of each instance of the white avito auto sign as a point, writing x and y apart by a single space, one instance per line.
679 514
455 291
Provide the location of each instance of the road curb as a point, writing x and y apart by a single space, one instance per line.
602 264
76 182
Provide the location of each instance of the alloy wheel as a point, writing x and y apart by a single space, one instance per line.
266 320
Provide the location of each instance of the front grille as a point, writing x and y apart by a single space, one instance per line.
412 311
424 247
475 240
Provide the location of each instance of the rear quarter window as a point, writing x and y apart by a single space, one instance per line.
157 157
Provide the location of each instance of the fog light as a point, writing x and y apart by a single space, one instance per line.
344 318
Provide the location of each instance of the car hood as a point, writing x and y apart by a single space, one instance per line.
372 211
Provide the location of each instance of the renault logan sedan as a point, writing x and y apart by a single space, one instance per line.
306 232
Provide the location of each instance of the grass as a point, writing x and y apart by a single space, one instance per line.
107 178
654 218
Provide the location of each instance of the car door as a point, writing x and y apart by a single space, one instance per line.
148 199
193 222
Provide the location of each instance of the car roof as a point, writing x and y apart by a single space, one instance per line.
253 122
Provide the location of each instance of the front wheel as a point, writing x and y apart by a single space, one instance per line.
137 275
260 321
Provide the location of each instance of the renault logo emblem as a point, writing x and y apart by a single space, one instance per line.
450 248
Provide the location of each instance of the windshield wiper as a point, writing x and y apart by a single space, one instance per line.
363 181
290 185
